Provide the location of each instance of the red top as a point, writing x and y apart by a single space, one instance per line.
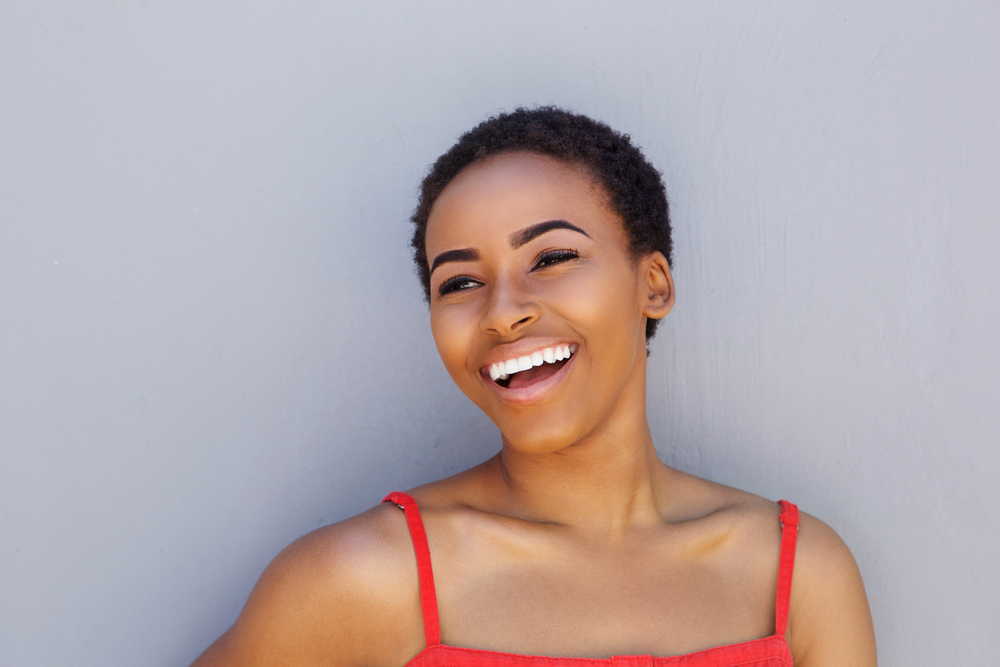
770 651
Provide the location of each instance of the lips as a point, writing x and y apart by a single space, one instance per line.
502 370
532 375
534 381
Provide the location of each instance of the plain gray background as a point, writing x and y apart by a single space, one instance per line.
212 339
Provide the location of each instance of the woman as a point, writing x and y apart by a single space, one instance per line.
543 243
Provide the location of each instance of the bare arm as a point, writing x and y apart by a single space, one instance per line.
830 623
344 595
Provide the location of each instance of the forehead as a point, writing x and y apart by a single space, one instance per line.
505 193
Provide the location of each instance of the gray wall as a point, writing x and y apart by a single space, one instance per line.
212 340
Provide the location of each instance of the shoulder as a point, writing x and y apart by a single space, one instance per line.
346 594
745 517
829 619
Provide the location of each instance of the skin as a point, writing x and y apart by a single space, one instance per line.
575 540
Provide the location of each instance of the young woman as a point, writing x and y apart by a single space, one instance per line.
543 243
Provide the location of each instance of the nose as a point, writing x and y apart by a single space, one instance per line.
509 309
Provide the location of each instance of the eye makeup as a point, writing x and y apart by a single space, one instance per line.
551 257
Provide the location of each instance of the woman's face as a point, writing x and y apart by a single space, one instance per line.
528 263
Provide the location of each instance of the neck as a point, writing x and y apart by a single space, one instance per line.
607 483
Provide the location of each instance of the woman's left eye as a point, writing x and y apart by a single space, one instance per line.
551 257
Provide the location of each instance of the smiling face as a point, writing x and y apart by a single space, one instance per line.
529 266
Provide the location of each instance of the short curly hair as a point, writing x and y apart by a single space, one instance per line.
634 187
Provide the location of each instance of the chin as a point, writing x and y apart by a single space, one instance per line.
537 441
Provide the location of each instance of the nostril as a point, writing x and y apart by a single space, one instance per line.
505 312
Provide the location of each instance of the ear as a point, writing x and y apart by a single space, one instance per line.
658 296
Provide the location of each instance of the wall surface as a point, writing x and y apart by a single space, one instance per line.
212 339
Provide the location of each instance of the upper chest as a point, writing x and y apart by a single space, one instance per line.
533 590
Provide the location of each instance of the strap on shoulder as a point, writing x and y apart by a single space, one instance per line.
428 598
789 532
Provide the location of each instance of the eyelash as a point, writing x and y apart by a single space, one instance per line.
451 285
544 260
550 257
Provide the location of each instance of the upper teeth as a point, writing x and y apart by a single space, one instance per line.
504 369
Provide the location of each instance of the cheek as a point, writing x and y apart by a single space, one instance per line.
604 301
452 338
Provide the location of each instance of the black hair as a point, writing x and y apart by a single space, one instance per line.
634 187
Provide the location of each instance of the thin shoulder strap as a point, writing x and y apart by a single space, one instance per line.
789 532
428 598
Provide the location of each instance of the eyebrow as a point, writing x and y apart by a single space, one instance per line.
528 234
516 240
461 255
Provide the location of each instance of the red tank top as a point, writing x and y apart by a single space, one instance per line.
770 651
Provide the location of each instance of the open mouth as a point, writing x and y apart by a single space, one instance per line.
529 369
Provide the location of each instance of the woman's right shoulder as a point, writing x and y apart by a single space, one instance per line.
345 594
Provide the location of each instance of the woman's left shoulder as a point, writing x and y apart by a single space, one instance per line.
829 619
824 567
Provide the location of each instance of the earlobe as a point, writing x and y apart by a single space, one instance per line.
658 286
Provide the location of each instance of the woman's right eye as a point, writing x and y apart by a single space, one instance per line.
457 284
